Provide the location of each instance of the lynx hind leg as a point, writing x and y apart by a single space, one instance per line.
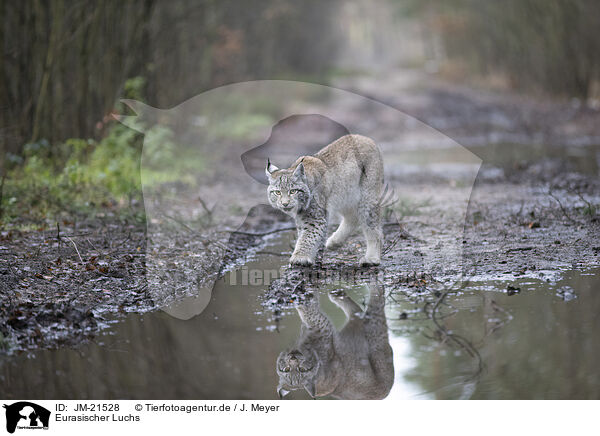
371 227
345 229
371 184
344 302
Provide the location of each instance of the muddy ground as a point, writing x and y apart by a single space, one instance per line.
533 211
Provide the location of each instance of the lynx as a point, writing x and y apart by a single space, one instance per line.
345 179
353 363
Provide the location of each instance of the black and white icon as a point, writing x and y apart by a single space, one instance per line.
26 415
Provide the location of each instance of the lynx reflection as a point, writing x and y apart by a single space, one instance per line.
352 363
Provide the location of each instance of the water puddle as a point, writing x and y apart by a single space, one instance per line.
534 339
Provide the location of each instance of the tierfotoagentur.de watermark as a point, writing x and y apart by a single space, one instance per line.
246 276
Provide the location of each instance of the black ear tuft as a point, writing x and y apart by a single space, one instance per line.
270 168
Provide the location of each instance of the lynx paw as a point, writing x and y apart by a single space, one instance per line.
369 261
300 260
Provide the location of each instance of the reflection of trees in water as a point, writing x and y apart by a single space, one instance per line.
432 330
219 354
532 345
447 336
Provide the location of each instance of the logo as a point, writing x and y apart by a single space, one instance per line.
26 415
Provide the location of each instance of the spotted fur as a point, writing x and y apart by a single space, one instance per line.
345 180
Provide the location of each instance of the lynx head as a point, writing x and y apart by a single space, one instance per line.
297 369
288 189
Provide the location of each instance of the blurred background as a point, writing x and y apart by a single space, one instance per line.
65 65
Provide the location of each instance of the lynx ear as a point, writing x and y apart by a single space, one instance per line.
310 388
299 172
282 392
270 168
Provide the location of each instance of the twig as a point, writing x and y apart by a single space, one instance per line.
93 247
521 208
58 238
562 208
510 250
2 193
181 223
462 342
239 232
500 324
75 245
403 233
272 253
392 245
590 206
208 211
75 235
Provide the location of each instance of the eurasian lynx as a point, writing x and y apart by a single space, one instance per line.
346 179
354 363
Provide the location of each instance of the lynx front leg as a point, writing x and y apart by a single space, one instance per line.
312 317
311 234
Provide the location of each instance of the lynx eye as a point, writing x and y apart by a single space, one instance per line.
302 369
293 191
286 369
277 192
